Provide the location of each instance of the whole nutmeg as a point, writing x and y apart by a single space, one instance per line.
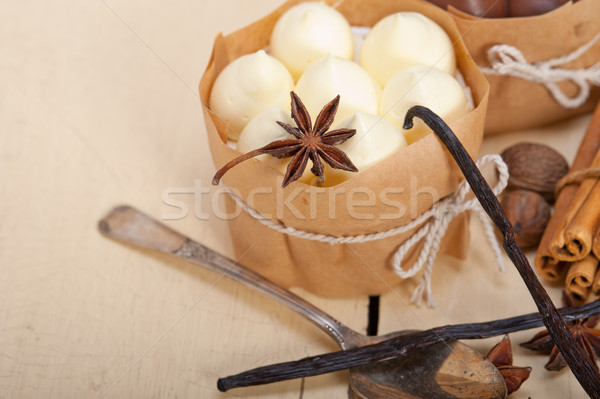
529 213
534 167
478 8
528 8
502 8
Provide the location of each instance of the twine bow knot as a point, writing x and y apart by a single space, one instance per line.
432 226
507 60
440 216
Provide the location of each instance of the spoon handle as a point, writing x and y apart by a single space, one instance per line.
126 223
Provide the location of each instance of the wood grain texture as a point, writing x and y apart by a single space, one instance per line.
98 106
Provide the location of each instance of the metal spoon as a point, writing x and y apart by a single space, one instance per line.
444 370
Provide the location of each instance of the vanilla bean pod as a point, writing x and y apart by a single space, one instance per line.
399 345
586 374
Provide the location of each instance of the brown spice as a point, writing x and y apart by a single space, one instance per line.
501 357
528 212
314 143
535 167
580 277
584 333
546 262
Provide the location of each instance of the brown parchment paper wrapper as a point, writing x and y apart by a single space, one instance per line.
413 174
517 103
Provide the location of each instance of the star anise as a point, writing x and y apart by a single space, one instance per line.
501 356
314 143
584 333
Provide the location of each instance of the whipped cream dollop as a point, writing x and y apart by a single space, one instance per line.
426 86
330 76
247 86
307 32
406 53
375 139
403 40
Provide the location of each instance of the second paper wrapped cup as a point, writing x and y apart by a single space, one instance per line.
557 49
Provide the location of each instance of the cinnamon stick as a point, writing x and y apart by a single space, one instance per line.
596 283
583 272
596 243
548 265
578 293
581 230
580 278
573 240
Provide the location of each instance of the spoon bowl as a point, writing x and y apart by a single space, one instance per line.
443 370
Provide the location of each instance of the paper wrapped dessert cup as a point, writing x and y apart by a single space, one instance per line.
409 182
516 103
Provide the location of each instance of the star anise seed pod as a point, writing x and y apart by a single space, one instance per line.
314 143
501 357
584 333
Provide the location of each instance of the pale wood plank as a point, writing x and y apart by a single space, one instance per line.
98 106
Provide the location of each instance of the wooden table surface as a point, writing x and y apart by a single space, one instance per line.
98 107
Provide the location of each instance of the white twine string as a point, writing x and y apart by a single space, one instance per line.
434 223
507 60
442 214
